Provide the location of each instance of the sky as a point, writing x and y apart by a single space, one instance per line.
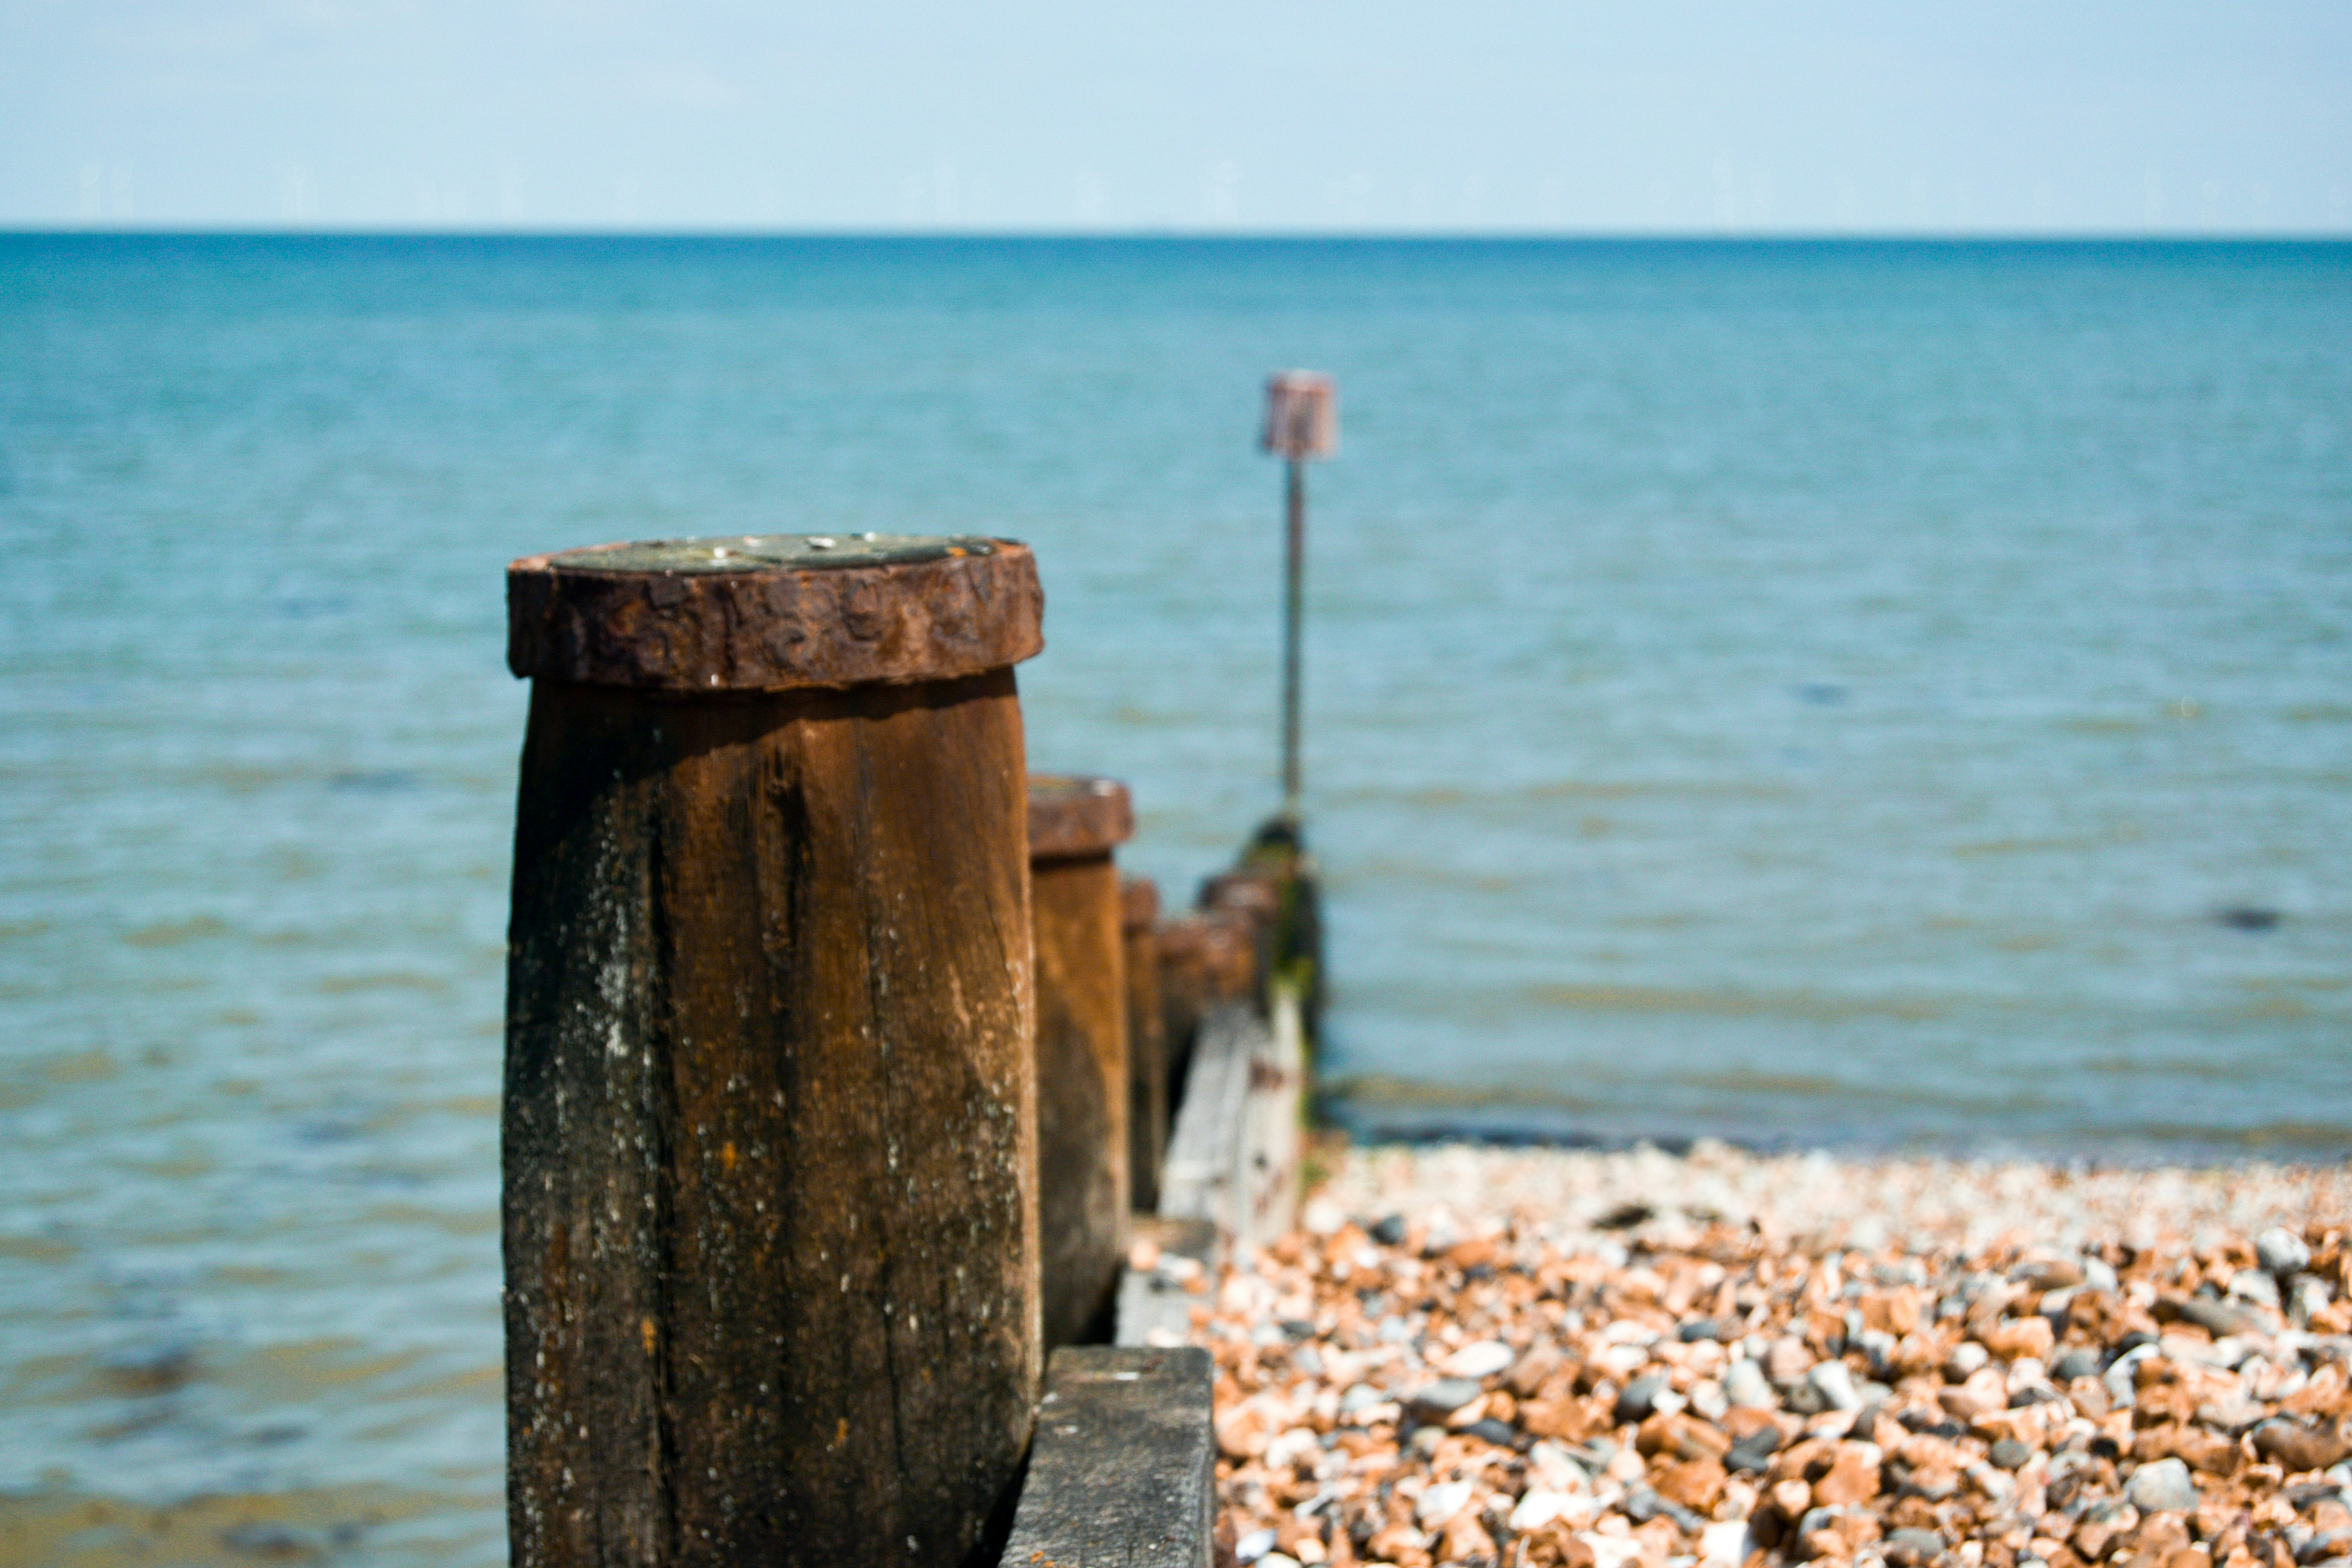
1477 116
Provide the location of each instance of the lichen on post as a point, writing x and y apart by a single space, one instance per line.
1082 1088
770 1209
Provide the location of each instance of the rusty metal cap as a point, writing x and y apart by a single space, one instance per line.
767 612
1139 903
1071 816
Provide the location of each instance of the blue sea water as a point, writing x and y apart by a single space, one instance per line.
1801 692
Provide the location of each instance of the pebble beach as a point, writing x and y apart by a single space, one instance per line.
1645 1360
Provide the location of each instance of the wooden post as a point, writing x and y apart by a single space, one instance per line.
1147 1074
1082 1158
1252 902
770 1207
1204 959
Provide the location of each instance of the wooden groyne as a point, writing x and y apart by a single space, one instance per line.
837 1055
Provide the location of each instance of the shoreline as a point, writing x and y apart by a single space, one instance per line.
1375 1109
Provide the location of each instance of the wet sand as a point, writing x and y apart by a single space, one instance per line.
228 1530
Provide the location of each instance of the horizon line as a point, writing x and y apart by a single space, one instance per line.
1213 236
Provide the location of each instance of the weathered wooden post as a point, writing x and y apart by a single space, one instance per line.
770 1219
1082 1095
1204 960
1147 1073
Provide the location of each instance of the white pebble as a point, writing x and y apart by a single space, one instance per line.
2282 1251
1726 1542
1538 1509
1440 1503
1482 1359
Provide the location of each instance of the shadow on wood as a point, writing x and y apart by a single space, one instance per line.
1147 1073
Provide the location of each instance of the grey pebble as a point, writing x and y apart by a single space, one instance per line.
1818 1519
1754 1451
2163 1487
2122 1390
2233 1416
2334 1543
1389 1231
2073 1364
1643 1505
1639 1398
2255 1286
1594 1455
1926 1543
2217 1318
1442 1399
2012 1455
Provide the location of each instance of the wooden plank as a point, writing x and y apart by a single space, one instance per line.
1123 1469
1233 1158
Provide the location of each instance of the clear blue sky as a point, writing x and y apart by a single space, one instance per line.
1484 116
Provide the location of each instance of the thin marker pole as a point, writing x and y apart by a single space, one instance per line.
1293 608
1302 421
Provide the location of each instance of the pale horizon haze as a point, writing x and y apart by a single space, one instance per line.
914 116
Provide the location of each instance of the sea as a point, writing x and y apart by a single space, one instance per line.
1886 696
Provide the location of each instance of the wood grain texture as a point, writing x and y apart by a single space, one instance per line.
927 610
1082 1096
1123 1472
770 1206
1234 1155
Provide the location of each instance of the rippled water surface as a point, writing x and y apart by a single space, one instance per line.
1865 693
